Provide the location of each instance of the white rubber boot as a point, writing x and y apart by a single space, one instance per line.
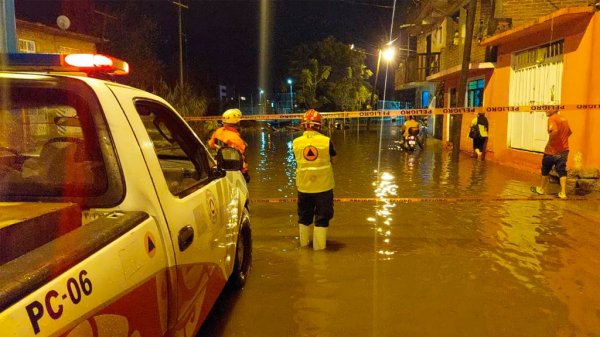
320 239
305 234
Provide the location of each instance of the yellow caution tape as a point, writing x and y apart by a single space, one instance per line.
413 112
436 200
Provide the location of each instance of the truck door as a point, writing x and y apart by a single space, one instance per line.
198 208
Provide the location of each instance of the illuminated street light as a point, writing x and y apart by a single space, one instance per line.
240 99
260 93
388 55
291 95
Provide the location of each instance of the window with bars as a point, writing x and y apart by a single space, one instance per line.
548 53
26 46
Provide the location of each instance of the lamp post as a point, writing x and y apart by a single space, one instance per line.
291 95
260 93
388 55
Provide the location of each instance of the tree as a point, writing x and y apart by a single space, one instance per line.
330 75
310 78
134 37
188 103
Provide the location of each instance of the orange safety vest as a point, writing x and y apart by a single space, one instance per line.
229 136
314 172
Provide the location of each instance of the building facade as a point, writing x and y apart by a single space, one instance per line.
39 38
551 60
526 52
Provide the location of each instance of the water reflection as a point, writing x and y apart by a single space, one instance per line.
385 188
516 240
273 166
489 267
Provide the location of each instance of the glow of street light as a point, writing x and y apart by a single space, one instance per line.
389 53
291 95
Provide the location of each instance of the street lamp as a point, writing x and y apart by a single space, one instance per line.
260 93
291 95
388 54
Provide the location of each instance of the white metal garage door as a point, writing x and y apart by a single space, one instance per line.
536 78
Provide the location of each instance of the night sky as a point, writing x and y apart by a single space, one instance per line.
222 37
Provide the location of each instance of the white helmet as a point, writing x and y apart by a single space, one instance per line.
232 116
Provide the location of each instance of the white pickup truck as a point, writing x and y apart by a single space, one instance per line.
115 220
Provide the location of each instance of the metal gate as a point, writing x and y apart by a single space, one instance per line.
536 78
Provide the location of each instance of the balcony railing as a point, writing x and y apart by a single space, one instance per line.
427 64
416 67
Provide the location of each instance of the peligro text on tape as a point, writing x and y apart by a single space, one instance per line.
410 112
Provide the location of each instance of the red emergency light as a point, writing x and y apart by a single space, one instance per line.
97 62
86 63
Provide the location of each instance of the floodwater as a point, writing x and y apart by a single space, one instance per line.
505 263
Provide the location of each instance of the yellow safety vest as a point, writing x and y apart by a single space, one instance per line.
314 172
482 130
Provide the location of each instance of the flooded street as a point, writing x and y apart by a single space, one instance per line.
505 263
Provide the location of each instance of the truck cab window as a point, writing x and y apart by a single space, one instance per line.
177 149
48 146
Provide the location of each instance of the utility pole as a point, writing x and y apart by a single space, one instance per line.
105 16
464 73
179 7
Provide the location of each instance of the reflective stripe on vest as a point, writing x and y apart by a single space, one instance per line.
314 173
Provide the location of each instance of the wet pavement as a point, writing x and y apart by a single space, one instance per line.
504 263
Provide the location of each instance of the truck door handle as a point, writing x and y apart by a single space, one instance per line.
186 237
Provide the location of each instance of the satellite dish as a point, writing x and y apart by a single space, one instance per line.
63 22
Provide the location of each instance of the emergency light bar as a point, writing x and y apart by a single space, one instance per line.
86 63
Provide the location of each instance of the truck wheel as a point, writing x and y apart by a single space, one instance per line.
243 254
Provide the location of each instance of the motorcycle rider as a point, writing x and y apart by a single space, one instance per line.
411 127
314 154
229 135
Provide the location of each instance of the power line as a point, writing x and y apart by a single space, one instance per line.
366 4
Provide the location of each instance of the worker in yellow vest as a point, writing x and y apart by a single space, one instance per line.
314 155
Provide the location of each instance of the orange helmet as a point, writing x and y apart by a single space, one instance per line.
311 118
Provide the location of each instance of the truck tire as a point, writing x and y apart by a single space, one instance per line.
243 254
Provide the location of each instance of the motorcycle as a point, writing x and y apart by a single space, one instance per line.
410 142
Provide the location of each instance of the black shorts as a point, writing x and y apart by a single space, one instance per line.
558 161
315 206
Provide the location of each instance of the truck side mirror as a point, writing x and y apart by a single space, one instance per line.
229 159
